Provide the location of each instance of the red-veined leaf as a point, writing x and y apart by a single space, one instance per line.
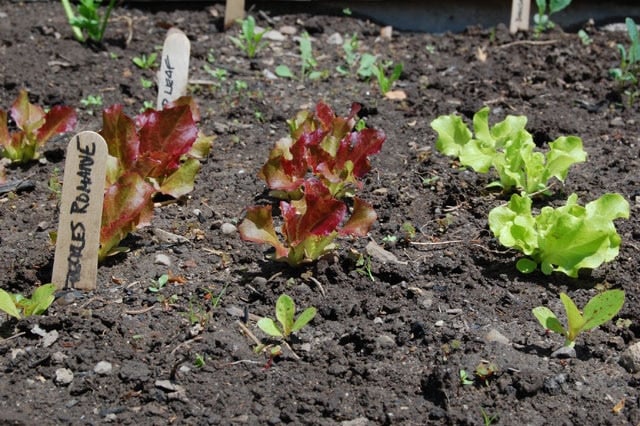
119 131
357 148
59 119
28 117
362 217
127 206
257 227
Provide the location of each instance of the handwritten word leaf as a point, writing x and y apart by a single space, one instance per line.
269 327
602 308
575 320
8 305
285 311
548 319
304 318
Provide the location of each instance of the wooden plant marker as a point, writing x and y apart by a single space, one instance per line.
75 263
520 10
174 68
233 10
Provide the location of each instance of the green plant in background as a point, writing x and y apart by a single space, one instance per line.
19 306
546 8
86 22
367 66
488 419
564 239
351 55
385 82
250 41
145 62
307 60
146 83
285 314
600 309
34 128
584 38
91 101
629 70
508 148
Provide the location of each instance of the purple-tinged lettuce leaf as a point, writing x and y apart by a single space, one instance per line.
361 219
127 206
119 131
257 227
60 119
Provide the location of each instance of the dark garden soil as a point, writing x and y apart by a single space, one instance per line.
385 348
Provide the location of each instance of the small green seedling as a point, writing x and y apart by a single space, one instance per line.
145 62
488 419
584 38
19 306
86 22
159 284
91 101
600 309
627 73
545 9
465 380
200 361
285 311
385 82
250 41
307 60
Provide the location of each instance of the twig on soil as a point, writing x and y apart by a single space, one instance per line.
140 311
185 343
13 337
437 243
248 333
528 42
319 285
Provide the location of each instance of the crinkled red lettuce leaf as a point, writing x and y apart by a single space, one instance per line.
128 205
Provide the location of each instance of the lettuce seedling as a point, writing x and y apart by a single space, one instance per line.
19 306
157 152
600 309
35 128
324 145
564 239
285 314
508 148
309 225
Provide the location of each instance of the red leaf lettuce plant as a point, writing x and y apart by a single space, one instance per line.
314 169
157 152
35 128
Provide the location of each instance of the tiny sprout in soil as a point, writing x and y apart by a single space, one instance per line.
285 313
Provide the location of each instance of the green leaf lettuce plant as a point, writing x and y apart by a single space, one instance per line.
86 21
563 239
600 309
541 20
19 306
629 70
285 314
35 128
249 41
508 148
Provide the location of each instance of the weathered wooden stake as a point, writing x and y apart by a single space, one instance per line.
174 68
233 10
520 11
75 263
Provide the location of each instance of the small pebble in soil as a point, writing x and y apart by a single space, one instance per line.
228 228
495 336
439 323
64 376
162 259
630 358
564 352
58 357
103 368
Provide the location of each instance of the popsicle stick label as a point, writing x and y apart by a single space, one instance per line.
520 10
75 263
174 68
233 10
